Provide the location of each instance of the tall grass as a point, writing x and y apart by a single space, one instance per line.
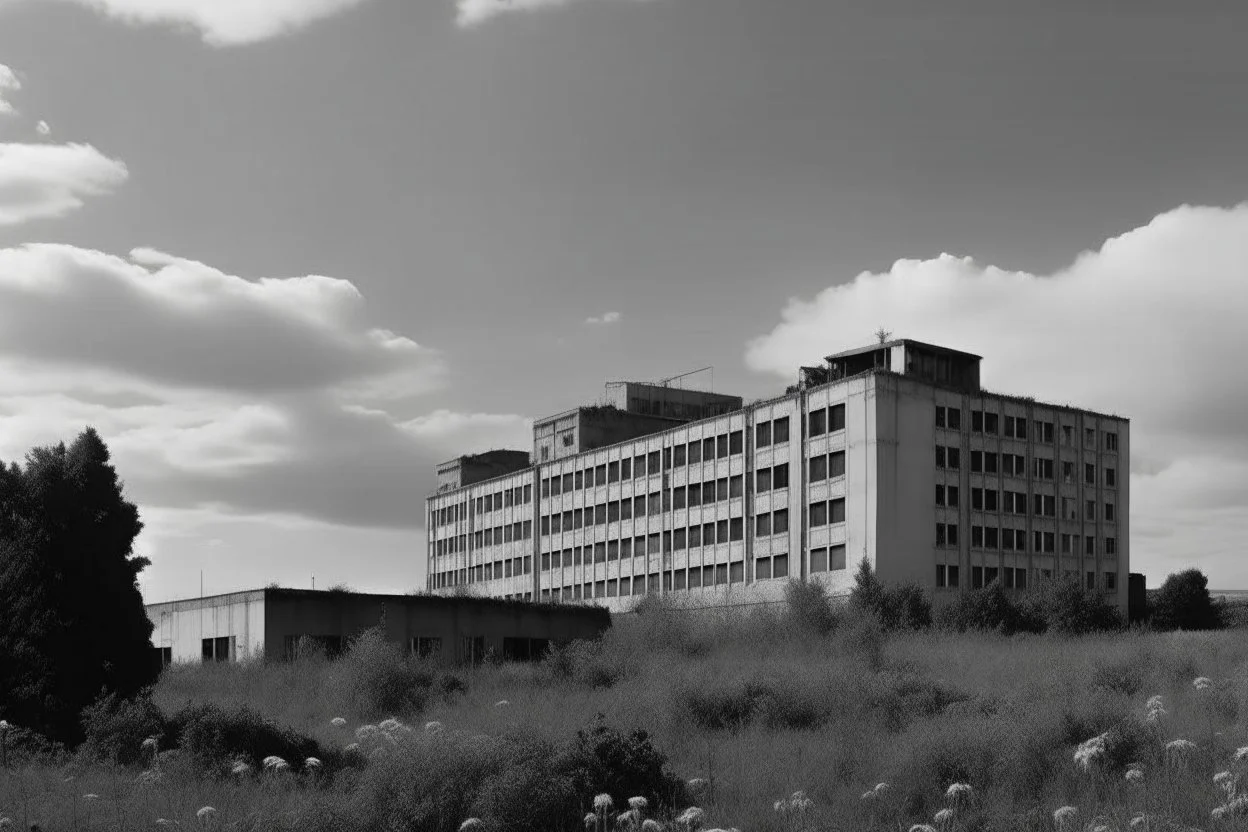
759 704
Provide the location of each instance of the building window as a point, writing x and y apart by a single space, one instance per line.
1089 473
762 434
1042 469
818 422
819 514
819 559
818 468
218 649
1089 438
940 417
764 479
762 525
780 566
780 521
836 464
1089 545
1111 580
780 430
940 575
836 510
1111 478
1109 512
426 647
736 442
1111 441
762 569
780 476
695 451
1111 546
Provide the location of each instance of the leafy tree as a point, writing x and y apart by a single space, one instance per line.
1183 603
74 626
896 607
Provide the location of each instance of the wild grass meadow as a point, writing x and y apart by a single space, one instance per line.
764 720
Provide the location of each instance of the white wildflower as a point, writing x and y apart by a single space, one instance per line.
1177 751
6 823
651 825
149 777
1202 683
1154 702
1091 750
338 722
148 745
433 727
603 803
591 820
389 725
1218 814
697 784
272 761
471 824
869 794
312 763
1135 776
90 797
943 816
922 827
205 812
638 804
366 732
1064 815
4 726
691 818
1240 755
1139 822
502 703
352 748
880 788
959 791
240 767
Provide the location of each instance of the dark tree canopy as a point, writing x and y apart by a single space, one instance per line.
74 624
1183 603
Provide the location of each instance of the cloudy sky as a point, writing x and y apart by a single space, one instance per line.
287 254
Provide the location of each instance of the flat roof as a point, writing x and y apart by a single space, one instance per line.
903 341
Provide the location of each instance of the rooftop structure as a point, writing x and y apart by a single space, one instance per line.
892 452
473 468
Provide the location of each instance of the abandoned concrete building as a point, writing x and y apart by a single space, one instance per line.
892 452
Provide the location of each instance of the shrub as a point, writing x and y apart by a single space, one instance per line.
116 728
989 608
1066 606
808 607
376 679
905 606
215 737
1183 603
603 759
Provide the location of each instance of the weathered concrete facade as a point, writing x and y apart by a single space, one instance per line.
891 453
268 624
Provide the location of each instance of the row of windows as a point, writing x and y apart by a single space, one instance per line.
672 580
520 495
1015 577
771 522
771 433
1016 427
450 514
775 477
503 534
691 537
713 447
509 568
824 512
684 496
827 466
1015 540
827 420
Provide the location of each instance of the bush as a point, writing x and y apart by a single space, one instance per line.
989 608
216 737
905 606
809 608
1066 606
1183 603
377 679
603 759
116 728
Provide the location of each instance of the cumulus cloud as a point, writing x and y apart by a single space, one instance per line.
604 318
223 22
1148 326
8 83
43 128
226 394
473 12
48 180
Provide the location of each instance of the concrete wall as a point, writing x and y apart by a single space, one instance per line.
182 626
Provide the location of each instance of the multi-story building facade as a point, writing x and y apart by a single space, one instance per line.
891 453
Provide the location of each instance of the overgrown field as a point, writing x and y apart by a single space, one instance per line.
873 731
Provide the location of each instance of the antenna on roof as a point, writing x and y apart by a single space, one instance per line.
667 382
883 335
